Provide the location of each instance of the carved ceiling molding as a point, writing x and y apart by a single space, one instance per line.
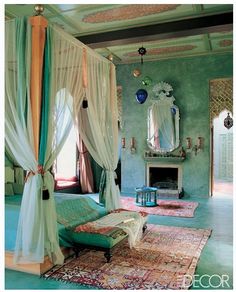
221 96
225 43
127 12
166 50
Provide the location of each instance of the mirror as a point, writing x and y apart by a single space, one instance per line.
163 120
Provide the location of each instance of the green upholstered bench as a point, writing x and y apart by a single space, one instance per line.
76 219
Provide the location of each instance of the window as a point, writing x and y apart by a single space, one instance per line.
66 160
65 164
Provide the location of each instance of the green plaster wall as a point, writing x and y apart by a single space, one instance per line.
190 80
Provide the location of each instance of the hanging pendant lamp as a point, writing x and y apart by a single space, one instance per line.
228 122
142 51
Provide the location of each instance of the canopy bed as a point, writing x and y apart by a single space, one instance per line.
48 72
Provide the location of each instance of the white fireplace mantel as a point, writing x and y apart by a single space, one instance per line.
165 165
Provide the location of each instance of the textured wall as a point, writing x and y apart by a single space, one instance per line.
190 80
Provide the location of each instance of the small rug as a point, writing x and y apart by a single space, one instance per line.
176 208
165 258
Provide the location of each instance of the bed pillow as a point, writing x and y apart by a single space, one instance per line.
9 189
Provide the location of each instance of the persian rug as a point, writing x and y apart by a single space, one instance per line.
176 208
164 258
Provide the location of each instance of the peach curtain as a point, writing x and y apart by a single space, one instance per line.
85 170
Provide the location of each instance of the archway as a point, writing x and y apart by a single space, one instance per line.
221 103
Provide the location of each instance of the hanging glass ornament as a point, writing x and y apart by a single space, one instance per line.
142 51
136 72
228 122
147 81
141 96
173 110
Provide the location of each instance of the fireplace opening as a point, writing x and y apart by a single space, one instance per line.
163 177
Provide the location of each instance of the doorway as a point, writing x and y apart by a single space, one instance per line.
222 156
221 106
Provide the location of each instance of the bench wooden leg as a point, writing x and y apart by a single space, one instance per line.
77 250
144 227
108 255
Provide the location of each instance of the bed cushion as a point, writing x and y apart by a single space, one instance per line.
76 211
9 174
108 240
9 189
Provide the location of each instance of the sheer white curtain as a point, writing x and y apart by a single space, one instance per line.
98 124
37 228
19 139
87 75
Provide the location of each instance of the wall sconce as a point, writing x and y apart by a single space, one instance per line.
123 143
200 143
199 146
188 143
132 146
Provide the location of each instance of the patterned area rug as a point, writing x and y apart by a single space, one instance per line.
160 261
176 208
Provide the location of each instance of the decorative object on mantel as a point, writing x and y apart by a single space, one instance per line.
163 120
228 122
168 157
136 73
141 96
142 51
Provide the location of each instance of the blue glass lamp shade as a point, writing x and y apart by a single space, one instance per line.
173 110
141 96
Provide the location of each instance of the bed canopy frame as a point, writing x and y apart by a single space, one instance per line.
47 71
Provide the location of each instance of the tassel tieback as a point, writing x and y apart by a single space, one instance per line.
31 172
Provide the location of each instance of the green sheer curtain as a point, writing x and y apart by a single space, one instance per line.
37 234
37 228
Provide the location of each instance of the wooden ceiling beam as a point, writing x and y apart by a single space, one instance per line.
181 28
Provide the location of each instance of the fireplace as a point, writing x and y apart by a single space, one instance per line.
166 177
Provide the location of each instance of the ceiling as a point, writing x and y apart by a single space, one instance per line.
165 30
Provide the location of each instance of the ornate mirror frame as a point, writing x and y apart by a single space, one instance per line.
163 100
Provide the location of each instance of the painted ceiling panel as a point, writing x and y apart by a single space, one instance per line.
222 44
217 7
100 18
157 50
64 25
221 34
87 19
